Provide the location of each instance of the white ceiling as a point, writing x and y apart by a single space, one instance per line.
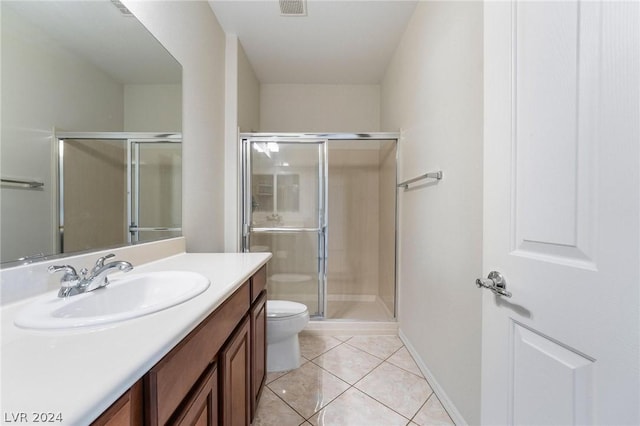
97 31
338 42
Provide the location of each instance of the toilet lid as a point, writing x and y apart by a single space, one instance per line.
284 308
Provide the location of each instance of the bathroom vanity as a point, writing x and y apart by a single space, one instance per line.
213 376
200 362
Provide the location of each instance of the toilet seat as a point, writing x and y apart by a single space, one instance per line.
284 309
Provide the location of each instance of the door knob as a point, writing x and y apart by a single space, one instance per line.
494 282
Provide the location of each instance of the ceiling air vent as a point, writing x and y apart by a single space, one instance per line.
293 8
122 8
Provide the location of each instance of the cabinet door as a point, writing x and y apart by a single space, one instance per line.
172 379
258 349
126 411
235 385
202 408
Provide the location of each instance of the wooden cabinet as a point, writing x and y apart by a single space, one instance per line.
258 349
126 411
201 409
169 382
258 283
214 376
235 381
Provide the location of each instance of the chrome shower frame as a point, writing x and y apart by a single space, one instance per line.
245 184
131 139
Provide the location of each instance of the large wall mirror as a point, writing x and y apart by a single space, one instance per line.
90 132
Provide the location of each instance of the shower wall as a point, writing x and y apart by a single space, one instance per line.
159 180
95 213
352 268
387 225
361 208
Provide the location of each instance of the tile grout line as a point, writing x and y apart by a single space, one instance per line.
382 403
391 408
402 368
443 407
306 419
382 361
353 386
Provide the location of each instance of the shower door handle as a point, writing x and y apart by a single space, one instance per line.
285 229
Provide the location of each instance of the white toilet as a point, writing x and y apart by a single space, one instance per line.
284 321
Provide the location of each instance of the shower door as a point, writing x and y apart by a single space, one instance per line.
155 189
284 212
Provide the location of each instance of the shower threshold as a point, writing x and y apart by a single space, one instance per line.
349 327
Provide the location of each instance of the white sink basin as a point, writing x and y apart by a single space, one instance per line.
130 296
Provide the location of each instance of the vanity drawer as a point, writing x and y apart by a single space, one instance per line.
258 283
171 379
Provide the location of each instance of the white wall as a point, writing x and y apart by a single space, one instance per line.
319 108
152 107
191 33
43 85
432 91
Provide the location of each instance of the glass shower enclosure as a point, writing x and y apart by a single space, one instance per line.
285 213
117 187
325 206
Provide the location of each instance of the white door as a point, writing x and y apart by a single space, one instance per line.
561 213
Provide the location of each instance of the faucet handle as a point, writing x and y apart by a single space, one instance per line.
67 269
70 277
100 262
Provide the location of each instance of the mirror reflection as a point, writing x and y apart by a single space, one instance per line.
78 66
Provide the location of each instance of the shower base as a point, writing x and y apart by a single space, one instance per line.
363 310
333 327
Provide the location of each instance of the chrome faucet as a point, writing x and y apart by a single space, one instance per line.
72 284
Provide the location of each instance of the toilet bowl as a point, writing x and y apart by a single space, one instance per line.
284 321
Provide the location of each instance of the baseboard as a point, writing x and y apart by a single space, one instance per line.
351 328
437 388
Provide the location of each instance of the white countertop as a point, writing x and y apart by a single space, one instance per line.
80 373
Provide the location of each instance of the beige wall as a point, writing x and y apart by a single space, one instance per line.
319 108
191 33
152 108
432 90
352 267
248 94
94 218
242 111
362 220
160 181
387 224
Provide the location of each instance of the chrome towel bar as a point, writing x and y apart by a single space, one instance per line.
31 184
431 175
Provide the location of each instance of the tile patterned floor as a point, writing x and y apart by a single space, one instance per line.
351 381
